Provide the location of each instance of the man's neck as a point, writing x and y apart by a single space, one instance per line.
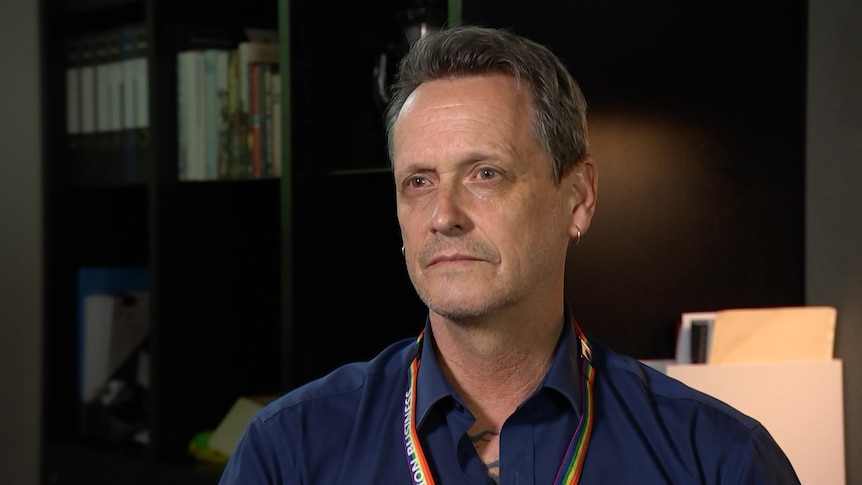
495 365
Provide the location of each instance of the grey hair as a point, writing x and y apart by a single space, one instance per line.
559 124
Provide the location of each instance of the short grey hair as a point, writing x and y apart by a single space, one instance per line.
559 124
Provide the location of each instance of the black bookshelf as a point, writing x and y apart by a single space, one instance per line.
212 251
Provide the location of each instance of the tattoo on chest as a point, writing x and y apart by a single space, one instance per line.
481 441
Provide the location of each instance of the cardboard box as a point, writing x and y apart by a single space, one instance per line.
801 404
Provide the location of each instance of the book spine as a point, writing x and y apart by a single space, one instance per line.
276 124
222 113
73 87
185 113
256 80
88 96
198 123
129 105
235 136
211 115
74 108
266 125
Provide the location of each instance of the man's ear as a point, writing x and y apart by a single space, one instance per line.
584 183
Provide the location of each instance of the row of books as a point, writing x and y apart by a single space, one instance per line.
107 100
228 102
228 106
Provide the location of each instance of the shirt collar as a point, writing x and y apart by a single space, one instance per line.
431 385
564 375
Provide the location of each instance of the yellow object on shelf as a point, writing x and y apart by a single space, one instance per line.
199 447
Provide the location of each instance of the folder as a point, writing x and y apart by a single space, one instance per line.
780 334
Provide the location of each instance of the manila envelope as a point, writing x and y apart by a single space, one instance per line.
783 334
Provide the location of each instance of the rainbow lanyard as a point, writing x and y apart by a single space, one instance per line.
573 460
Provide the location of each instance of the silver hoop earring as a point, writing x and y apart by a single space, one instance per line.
578 240
402 251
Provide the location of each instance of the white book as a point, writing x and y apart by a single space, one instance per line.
116 101
73 100
191 115
114 328
95 343
88 99
142 97
104 82
183 94
87 62
73 88
141 82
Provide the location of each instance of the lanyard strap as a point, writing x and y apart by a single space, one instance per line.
576 453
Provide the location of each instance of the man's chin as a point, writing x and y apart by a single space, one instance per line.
458 307
460 316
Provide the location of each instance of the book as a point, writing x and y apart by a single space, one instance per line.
87 75
276 124
267 121
115 325
141 83
102 280
203 57
104 80
114 406
132 98
73 87
128 43
212 114
235 126
250 55
107 101
108 72
74 109
191 115
222 112
259 121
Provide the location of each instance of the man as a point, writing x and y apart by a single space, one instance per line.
488 140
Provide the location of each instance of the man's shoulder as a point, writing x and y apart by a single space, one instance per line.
348 383
643 384
672 432
302 437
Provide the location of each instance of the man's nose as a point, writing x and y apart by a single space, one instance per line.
449 217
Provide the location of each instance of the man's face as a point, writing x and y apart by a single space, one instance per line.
484 225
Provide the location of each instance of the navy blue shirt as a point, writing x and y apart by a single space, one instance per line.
348 428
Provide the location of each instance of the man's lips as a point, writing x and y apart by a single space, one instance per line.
446 252
455 258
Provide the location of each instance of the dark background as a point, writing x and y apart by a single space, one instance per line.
697 124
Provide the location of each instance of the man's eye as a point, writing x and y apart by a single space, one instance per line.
417 182
487 173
